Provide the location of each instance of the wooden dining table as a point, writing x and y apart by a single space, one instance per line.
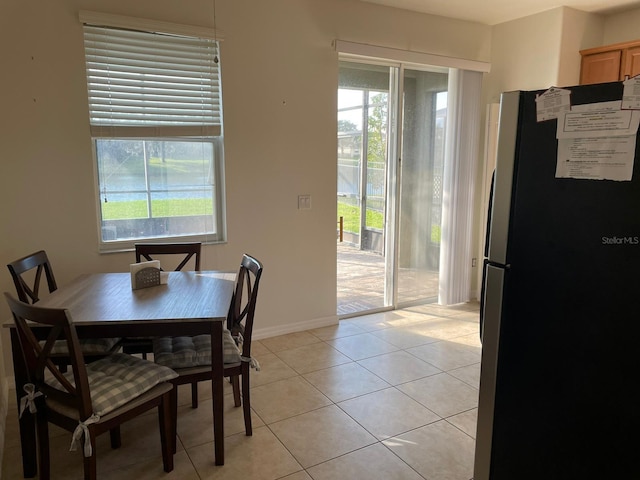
103 305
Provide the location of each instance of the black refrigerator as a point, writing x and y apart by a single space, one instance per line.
560 311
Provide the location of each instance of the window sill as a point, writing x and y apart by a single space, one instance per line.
129 245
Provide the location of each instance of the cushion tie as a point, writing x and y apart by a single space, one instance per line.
83 429
253 363
28 399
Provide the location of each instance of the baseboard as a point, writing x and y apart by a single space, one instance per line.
260 333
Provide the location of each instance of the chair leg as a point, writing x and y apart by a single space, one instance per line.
167 433
235 382
173 405
194 395
90 464
116 440
246 401
42 426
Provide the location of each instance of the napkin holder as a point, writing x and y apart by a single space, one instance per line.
145 274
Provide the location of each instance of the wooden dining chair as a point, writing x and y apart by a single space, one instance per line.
185 251
92 398
29 292
18 268
190 357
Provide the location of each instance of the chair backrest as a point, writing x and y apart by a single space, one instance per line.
243 302
190 249
18 269
38 358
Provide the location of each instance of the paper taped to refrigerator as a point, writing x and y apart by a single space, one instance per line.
551 103
597 142
596 158
598 120
631 93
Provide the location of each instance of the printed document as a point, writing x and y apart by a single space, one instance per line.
597 142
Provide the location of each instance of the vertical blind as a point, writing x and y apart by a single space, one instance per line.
461 156
151 84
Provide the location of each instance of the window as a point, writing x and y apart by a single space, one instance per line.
156 125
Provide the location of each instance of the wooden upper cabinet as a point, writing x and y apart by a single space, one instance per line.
631 61
600 67
611 63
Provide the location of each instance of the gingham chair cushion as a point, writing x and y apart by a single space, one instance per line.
118 379
89 346
185 352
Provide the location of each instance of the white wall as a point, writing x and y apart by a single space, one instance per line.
580 30
524 54
622 27
279 85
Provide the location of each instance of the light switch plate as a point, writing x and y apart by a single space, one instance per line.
304 202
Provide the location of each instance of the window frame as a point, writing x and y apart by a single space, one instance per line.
216 138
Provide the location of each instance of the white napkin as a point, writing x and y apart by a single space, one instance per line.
136 267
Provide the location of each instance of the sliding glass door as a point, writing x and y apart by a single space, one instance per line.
421 181
389 185
363 140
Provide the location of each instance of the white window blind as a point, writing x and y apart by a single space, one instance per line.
143 84
456 251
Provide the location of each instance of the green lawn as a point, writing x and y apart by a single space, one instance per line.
351 216
160 208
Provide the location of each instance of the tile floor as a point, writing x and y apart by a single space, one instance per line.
385 396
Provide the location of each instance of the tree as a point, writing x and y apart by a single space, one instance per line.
346 126
377 131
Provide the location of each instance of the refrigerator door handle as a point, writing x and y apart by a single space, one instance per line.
483 292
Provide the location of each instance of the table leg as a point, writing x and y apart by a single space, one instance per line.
217 367
27 422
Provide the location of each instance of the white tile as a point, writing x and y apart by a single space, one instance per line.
469 374
272 369
345 381
438 451
195 425
310 358
183 469
405 337
286 398
302 475
447 354
466 421
344 328
399 367
288 341
259 457
362 346
334 433
372 462
442 394
388 412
